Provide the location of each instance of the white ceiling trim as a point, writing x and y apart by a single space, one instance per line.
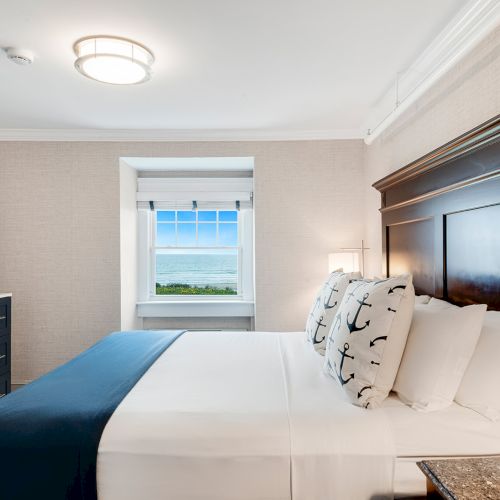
471 25
150 135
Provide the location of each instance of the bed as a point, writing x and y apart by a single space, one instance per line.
266 422
253 416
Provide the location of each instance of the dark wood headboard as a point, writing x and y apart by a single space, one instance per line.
441 219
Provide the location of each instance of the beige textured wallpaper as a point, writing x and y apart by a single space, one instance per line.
465 97
60 234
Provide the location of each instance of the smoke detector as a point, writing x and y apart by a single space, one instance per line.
19 56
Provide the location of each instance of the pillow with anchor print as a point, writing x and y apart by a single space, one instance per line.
325 306
368 336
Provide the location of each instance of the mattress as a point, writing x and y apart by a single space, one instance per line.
251 416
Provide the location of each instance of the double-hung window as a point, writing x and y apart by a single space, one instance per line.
197 252
195 240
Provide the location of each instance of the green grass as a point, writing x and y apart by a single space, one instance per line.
183 289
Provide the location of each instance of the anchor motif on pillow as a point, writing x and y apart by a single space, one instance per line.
337 322
351 294
352 325
327 304
344 355
318 323
360 392
391 290
382 337
315 307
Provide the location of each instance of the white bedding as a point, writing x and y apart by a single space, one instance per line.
454 431
251 416
241 416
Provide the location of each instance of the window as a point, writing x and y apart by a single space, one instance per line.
197 252
195 246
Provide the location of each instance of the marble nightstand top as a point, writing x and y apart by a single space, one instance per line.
464 478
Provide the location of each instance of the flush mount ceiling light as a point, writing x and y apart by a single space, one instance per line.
115 60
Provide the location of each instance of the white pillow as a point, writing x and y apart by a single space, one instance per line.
439 347
325 306
480 387
441 304
422 299
368 336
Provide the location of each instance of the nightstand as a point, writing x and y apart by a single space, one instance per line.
5 366
463 478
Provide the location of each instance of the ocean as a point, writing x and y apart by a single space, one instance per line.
216 270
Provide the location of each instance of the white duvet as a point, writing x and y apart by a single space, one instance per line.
242 416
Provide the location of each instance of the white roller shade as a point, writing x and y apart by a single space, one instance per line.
209 194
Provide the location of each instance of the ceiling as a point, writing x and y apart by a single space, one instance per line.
264 65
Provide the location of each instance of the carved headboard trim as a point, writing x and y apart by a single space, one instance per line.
466 143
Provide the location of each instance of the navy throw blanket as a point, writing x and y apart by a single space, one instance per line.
50 429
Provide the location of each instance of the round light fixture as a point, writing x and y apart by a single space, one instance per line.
115 60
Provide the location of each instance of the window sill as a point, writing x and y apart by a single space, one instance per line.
195 308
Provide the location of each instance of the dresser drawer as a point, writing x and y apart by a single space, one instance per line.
4 353
4 384
4 316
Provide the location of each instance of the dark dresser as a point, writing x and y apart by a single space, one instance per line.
5 366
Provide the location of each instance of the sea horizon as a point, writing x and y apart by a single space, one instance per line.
219 270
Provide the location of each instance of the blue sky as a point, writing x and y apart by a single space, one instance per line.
207 229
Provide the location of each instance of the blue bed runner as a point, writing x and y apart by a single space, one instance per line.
50 429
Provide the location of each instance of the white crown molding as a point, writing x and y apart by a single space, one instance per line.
474 22
155 135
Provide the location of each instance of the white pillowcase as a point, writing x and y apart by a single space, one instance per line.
480 387
325 306
441 304
440 345
368 336
422 299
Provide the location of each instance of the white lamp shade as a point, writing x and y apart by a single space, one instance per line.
347 261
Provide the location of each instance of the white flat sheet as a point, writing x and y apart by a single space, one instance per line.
454 431
242 416
338 451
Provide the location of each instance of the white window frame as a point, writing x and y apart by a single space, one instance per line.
152 305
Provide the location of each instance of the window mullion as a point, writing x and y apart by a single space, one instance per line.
217 229
196 228
152 252
176 229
